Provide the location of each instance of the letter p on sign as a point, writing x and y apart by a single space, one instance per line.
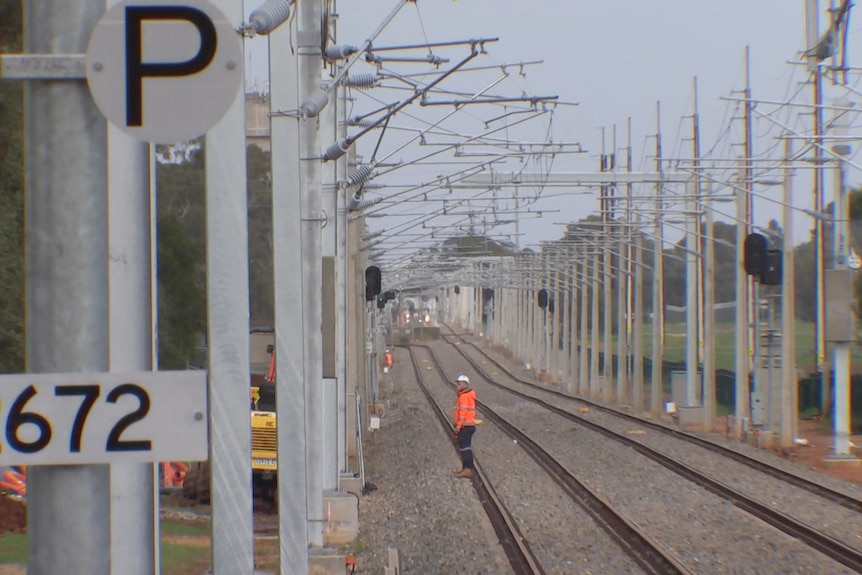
164 73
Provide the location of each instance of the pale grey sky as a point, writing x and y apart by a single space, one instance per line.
617 59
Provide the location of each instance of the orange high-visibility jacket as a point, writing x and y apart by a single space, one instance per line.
387 359
465 409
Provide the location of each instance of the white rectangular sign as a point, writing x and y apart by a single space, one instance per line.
83 418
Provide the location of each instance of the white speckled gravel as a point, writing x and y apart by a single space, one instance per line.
837 521
439 526
433 519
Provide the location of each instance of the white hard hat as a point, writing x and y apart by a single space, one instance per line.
463 378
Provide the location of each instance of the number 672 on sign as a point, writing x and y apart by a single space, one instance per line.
59 419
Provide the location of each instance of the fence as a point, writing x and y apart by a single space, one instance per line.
809 388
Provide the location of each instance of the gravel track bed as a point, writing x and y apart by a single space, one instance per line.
764 455
839 522
709 534
563 536
433 519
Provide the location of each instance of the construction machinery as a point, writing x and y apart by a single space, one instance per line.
264 452
264 447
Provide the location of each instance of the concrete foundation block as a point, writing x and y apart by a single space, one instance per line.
324 562
843 460
351 484
766 439
342 513
690 417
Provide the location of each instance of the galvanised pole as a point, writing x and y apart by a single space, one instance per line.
525 326
344 317
841 247
554 323
332 308
741 323
66 213
789 388
608 371
132 268
637 327
657 373
533 311
622 343
691 289
574 288
228 335
594 330
583 359
308 47
607 386
570 329
709 319
812 36
289 329
546 325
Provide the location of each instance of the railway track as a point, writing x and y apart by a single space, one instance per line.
823 491
520 556
829 546
647 553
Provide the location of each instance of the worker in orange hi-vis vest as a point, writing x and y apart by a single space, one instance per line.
465 424
387 359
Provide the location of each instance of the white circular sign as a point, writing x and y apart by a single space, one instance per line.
164 73
853 261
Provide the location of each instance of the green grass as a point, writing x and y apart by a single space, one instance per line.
184 529
13 548
177 558
674 350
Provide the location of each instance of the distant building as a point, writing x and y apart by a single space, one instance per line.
257 120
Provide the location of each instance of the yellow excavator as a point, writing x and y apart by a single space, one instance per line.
264 452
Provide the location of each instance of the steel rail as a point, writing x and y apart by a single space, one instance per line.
650 555
517 550
829 546
828 493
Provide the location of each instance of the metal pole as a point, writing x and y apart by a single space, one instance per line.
584 364
572 331
134 486
533 311
840 250
622 354
331 430
561 306
788 308
343 315
743 283
289 329
812 35
66 212
637 330
691 244
752 286
699 264
228 336
594 330
308 42
656 377
709 320
698 203
608 371
629 266
741 314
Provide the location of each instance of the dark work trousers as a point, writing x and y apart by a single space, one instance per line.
465 438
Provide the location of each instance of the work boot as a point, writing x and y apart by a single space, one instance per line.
464 473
